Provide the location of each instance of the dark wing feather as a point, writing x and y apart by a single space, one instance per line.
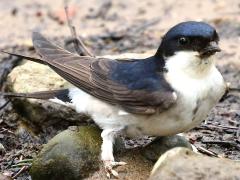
36 95
92 75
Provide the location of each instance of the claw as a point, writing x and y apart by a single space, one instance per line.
109 168
118 164
114 173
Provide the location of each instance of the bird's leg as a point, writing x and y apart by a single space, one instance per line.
108 136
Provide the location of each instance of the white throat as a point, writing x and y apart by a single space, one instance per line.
189 63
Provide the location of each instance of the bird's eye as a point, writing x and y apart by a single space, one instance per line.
183 41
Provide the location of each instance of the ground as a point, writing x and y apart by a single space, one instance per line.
111 27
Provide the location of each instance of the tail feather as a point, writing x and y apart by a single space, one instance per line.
61 94
37 60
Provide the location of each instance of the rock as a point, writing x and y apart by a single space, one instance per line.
33 77
181 163
2 149
72 154
162 144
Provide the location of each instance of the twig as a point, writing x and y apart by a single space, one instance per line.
6 130
194 148
78 43
234 89
238 132
206 151
220 127
5 104
229 143
228 127
25 161
20 171
21 164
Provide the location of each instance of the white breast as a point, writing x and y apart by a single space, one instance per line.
198 84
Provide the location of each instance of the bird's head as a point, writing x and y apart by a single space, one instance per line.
190 36
189 44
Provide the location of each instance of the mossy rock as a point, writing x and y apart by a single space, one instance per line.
72 154
162 144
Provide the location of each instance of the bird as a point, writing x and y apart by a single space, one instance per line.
168 93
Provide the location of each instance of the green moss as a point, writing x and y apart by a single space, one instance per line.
72 154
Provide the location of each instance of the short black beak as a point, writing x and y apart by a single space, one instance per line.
211 49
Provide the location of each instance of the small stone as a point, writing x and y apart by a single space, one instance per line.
181 163
227 137
2 149
73 128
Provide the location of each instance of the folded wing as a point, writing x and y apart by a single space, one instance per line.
92 76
